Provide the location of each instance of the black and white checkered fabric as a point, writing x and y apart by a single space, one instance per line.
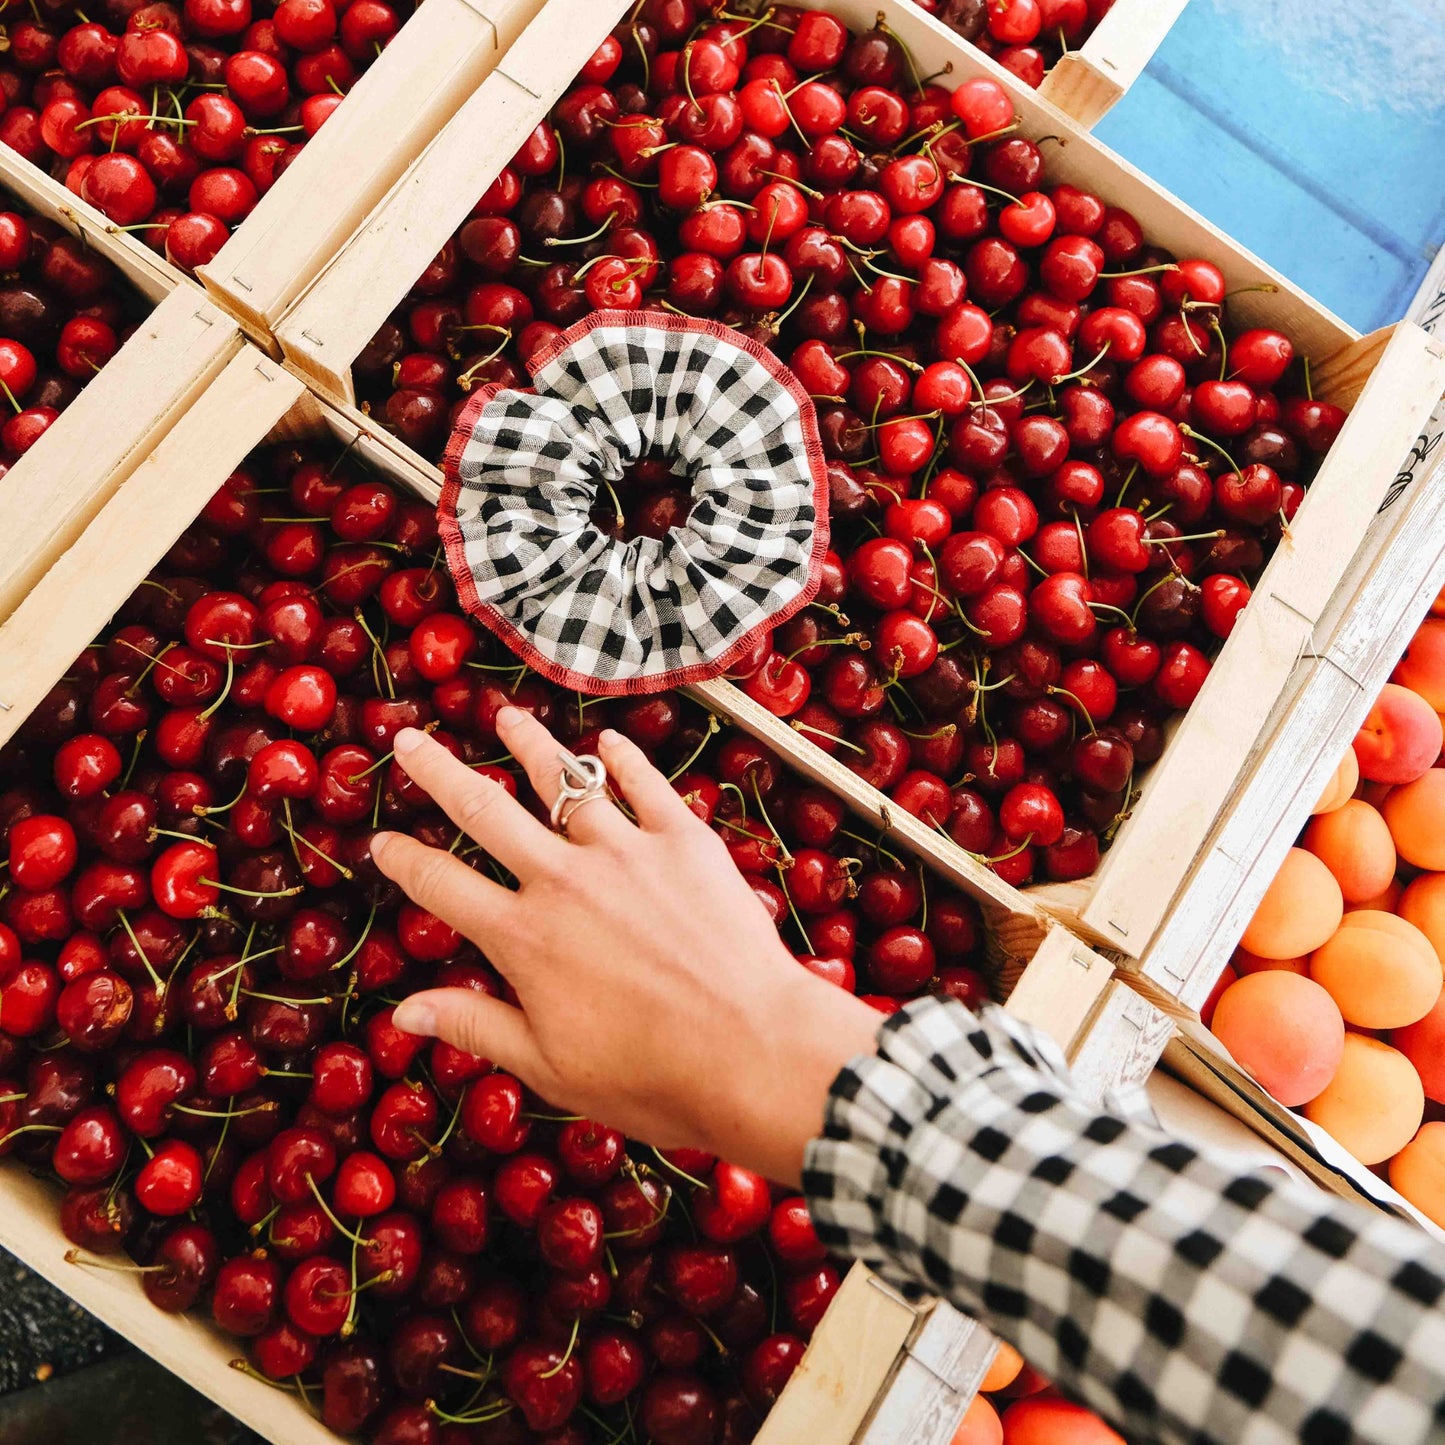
1183 1299
525 467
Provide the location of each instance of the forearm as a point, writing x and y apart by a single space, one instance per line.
1183 1300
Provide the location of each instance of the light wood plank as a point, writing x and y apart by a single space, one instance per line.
1203 763
846 1363
135 528
438 59
332 321
1087 82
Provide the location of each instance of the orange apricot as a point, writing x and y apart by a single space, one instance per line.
1423 1043
1374 1103
1004 1370
1342 784
1400 739
1301 908
1418 1172
1244 962
1422 668
1415 814
1381 970
980 1426
1283 1029
1437 607
1385 901
1354 843
1206 1010
1423 904
1055 1422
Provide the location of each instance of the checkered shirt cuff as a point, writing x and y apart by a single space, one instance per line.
1184 1300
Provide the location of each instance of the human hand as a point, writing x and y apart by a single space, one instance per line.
655 994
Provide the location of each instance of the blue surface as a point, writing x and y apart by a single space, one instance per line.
1313 131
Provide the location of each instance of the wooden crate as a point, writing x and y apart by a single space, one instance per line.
1087 82
51 493
439 57
874 1354
1390 380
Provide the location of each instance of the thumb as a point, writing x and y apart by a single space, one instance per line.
478 1024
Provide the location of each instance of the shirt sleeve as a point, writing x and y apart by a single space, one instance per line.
1183 1300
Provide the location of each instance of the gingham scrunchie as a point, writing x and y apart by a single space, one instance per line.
524 468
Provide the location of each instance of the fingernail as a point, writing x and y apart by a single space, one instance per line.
610 737
415 1016
407 740
379 841
509 716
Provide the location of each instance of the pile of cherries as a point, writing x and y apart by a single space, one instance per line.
199 965
64 312
174 119
1057 469
1025 36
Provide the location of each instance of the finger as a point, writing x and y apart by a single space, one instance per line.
481 807
541 755
477 1024
444 885
654 801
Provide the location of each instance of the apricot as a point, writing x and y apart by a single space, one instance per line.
1418 1172
1374 793
1244 962
1423 904
1301 908
1374 1103
1341 785
1400 739
1354 843
1004 1370
1385 902
1283 1029
1415 814
1422 668
980 1426
1206 1010
1055 1422
1437 607
1423 1043
1381 970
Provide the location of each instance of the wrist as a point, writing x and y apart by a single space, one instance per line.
802 1035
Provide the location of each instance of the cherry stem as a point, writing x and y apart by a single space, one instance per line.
803 727
135 944
1188 537
1142 271
1199 436
1052 690
250 892
571 1345
712 727
691 1179
75 1256
355 1238
1012 852
245 1367
1133 472
30 1129
1085 369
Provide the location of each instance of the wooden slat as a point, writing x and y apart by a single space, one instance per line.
1211 748
331 323
1335 689
1062 989
846 1363
1087 82
152 275
58 486
441 55
186 1345
135 528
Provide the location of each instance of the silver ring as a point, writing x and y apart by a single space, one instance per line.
583 780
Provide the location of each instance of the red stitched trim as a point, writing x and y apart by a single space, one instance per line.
517 641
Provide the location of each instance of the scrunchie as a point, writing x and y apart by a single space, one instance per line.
524 468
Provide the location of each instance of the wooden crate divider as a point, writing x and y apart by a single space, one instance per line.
377 266
55 490
1087 82
1390 380
870 1344
439 57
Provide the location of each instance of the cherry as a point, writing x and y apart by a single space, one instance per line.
544 1383
42 851
171 1180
